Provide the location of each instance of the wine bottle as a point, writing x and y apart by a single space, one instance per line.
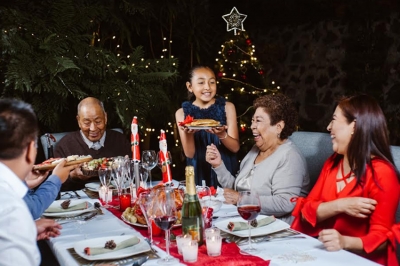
192 215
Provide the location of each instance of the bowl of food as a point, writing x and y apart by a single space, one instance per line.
92 167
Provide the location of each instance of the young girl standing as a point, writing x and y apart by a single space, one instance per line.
202 85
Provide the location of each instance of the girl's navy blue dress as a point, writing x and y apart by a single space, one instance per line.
202 139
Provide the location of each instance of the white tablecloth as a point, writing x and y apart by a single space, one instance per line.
306 251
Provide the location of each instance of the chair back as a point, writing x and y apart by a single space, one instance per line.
316 147
58 136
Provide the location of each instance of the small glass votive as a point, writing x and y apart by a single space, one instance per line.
102 194
124 201
181 240
212 231
214 244
190 251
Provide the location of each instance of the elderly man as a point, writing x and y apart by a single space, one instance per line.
18 231
92 139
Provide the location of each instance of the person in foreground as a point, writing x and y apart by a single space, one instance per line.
274 167
18 231
92 139
41 195
202 84
353 204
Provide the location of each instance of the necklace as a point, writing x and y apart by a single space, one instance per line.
344 177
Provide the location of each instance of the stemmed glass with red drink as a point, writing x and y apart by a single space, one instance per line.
164 214
249 207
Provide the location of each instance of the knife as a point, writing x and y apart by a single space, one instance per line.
91 216
139 261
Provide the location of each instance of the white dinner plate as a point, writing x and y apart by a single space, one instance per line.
202 127
276 226
140 247
74 202
94 186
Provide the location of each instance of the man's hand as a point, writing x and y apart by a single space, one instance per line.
77 174
63 171
35 178
47 228
357 206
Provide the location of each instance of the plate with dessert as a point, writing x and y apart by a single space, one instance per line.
68 208
198 124
111 247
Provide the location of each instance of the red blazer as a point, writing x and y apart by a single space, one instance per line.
374 230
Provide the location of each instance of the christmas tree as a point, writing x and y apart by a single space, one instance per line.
241 76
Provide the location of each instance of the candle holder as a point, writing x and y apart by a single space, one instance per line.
190 251
182 240
124 201
214 244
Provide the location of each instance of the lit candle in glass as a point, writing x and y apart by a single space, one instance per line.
124 201
189 251
181 240
214 244
212 231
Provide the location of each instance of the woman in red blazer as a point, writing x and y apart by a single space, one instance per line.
353 204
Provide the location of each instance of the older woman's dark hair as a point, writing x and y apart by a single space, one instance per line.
370 137
280 108
18 127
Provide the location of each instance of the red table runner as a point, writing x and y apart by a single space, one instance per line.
230 255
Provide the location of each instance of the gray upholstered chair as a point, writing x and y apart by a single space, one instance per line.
58 137
316 148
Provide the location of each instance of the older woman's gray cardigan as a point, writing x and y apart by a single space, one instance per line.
277 179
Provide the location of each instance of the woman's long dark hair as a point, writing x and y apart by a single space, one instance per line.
370 137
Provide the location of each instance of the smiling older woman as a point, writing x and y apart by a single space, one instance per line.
274 167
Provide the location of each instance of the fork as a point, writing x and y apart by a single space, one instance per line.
77 195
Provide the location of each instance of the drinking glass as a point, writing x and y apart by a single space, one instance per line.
149 161
164 212
144 201
105 179
249 207
118 174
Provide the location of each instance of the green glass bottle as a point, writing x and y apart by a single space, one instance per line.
192 215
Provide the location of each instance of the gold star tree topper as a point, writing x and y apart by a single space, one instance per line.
234 20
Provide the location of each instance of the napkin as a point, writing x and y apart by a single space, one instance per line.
91 251
237 226
77 207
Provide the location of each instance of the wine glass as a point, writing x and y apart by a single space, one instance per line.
105 179
144 201
149 161
165 215
118 173
249 207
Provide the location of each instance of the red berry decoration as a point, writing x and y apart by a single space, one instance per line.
248 41
220 74
261 72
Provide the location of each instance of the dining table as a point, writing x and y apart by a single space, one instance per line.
284 247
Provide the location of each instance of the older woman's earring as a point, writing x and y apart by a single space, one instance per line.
279 135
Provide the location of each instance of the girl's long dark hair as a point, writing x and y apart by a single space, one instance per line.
370 137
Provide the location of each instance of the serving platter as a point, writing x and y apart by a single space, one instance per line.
52 166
